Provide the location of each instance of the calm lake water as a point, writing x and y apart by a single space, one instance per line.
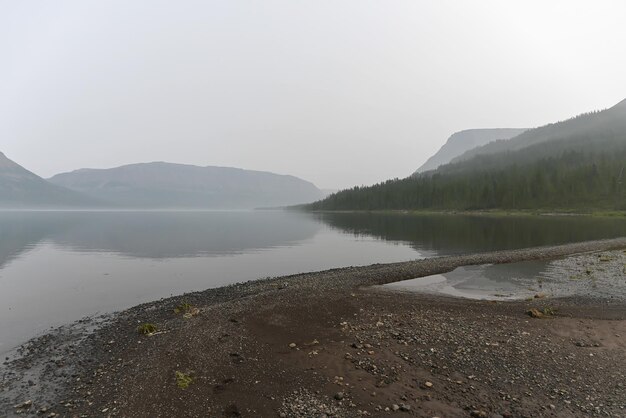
56 267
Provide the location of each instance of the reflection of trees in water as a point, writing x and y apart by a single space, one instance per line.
470 233
154 234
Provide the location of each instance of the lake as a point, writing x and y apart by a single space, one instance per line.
56 267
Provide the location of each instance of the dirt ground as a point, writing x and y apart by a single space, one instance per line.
369 353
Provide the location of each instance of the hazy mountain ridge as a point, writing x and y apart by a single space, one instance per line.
578 163
168 185
20 187
585 124
465 140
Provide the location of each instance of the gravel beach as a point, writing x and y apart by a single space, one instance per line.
334 343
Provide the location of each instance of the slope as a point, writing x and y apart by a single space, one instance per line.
463 141
178 186
20 188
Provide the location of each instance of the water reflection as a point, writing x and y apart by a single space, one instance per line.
192 234
453 234
21 232
153 234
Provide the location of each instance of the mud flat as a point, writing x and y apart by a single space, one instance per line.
333 344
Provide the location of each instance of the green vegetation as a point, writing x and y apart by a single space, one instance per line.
580 174
187 309
541 313
183 380
147 328
550 311
183 308
577 165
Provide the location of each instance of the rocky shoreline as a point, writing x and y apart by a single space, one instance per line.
329 344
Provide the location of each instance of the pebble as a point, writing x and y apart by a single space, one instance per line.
24 405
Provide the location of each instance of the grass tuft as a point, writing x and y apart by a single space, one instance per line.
147 328
183 308
183 380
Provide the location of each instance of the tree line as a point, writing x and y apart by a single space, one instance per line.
577 173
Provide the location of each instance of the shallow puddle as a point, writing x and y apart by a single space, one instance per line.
601 275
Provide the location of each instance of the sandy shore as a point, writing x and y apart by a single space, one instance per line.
333 344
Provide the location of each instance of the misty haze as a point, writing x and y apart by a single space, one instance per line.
312 209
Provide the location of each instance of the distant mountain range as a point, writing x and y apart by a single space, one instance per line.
463 141
166 185
156 185
575 164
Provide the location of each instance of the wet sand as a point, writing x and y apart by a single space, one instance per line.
332 344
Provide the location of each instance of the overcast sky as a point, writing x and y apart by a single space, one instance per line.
340 93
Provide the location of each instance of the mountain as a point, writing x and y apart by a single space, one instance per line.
587 124
575 164
176 186
20 188
463 141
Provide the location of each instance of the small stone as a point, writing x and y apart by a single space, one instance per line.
339 396
292 345
405 407
428 384
395 407
24 405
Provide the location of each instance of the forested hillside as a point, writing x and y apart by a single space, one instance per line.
572 169
586 124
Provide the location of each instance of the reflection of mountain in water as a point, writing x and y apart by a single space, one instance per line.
154 234
20 232
449 234
178 234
